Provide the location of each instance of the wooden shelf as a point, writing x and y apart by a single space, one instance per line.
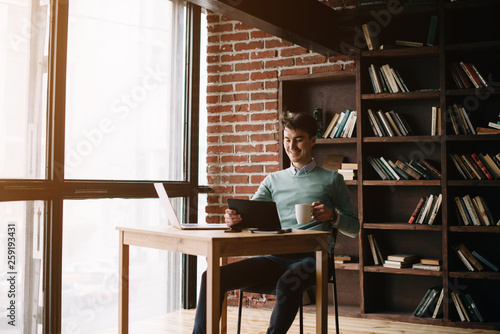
402 52
402 139
347 266
329 141
475 229
476 275
404 271
416 95
402 226
474 183
415 183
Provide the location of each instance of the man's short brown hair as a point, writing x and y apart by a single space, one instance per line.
300 121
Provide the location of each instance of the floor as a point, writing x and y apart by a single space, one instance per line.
255 322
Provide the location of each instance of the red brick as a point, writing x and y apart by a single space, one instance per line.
219 68
279 63
350 67
220 149
328 68
213 139
309 60
263 54
215 209
219 48
264 117
219 129
263 137
222 189
234 97
212 159
240 36
264 75
233 118
249 169
263 96
264 158
258 34
248 46
250 148
248 127
251 66
241 107
218 28
235 179
271 126
234 138
249 86
272 148
273 105
219 88
257 178
213 179
234 77
257 106
234 57
245 189
242 26
289 52
213 39
213 220
234 159
277 43
213 119
213 78
219 108
294 71
272 84
213 59
213 18
212 99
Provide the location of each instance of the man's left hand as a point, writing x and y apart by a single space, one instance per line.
321 212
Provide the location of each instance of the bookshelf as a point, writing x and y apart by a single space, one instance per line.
465 33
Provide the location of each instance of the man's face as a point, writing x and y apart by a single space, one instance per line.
298 146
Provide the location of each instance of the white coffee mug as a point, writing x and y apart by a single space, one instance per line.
303 213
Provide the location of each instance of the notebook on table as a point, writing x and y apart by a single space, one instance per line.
259 216
172 217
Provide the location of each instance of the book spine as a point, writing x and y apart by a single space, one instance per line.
470 257
482 166
407 170
431 168
377 168
485 261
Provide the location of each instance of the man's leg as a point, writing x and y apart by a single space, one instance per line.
237 275
299 277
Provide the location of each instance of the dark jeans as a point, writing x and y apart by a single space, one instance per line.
291 275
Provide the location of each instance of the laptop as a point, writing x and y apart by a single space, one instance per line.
172 217
257 215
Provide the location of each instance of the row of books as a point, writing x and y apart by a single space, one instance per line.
466 307
472 260
460 120
388 124
341 259
473 211
386 79
399 261
466 75
342 125
349 170
431 304
477 166
399 170
426 210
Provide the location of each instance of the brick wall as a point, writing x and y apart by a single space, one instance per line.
244 65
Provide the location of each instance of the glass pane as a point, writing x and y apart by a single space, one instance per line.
90 265
202 177
125 90
23 85
21 291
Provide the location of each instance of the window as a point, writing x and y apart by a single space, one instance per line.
94 108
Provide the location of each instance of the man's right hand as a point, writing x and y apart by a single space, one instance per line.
231 217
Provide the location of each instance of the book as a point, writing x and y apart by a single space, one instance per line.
428 165
409 43
420 266
435 209
330 126
461 209
385 123
481 211
333 162
377 260
408 170
349 165
439 303
462 257
370 37
482 167
485 261
492 166
425 210
474 261
377 168
460 310
471 210
432 262
428 300
471 308
486 131
431 36
402 257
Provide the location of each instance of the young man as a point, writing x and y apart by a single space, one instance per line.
303 182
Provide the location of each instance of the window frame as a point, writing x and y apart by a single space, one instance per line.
55 189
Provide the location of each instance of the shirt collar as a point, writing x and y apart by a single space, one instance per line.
304 170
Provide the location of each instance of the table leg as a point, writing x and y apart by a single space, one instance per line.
321 292
213 290
123 287
223 316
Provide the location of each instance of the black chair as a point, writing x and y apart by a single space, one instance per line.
272 291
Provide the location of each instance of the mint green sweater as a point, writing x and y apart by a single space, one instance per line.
319 185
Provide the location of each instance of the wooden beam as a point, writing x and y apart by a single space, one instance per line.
308 23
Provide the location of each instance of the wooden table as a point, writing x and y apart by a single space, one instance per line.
216 245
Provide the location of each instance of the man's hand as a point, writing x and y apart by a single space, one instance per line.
321 212
231 217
